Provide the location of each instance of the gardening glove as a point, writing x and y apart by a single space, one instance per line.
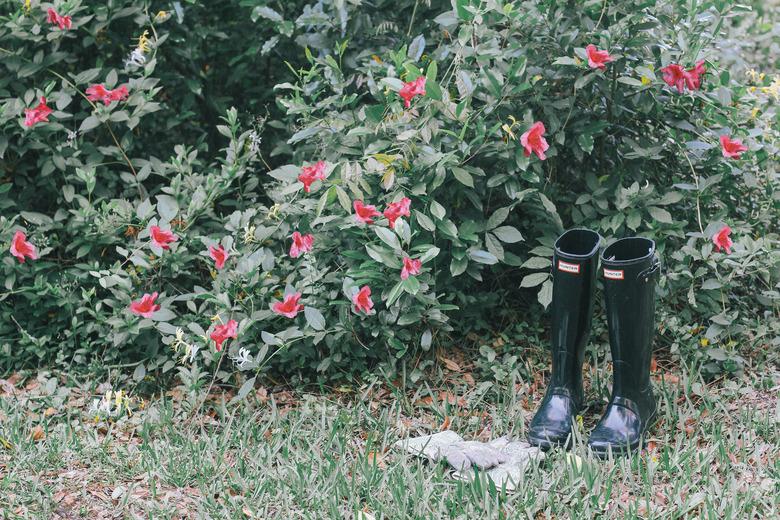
463 455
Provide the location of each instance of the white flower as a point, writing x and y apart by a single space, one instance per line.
136 59
243 358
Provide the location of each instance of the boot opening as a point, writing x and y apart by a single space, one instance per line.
628 249
578 242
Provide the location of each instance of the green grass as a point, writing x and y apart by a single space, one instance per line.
716 455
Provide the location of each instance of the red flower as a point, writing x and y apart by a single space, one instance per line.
223 332
731 148
301 244
63 22
395 210
533 141
100 93
597 59
289 307
21 248
722 240
362 300
411 89
693 76
676 76
162 237
309 174
145 306
363 213
411 268
219 255
39 114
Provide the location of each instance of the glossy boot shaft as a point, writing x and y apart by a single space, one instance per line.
574 266
630 268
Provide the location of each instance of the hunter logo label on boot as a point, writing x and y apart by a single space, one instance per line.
566 267
613 274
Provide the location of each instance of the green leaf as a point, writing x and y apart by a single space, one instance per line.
628 80
247 387
545 293
394 294
537 262
344 199
534 279
88 124
497 217
388 237
424 221
437 210
286 173
411 285
586 142
660 215
565 60
429 255
458 266
463 176
482 257
314 318
508 234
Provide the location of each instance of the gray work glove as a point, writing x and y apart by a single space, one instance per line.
463 455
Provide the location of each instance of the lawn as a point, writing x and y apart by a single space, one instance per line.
326 453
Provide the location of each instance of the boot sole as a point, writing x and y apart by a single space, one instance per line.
621 449
546 444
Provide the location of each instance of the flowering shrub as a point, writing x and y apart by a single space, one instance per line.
421 168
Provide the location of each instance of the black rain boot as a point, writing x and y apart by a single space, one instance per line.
574 279
630 270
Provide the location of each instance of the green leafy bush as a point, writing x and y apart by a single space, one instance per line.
470 136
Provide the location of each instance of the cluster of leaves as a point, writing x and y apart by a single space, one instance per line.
416 105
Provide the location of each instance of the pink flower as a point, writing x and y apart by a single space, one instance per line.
39 114
731 148
309 174
100 93
395 210
411 268
362 300
597 59
533 141
21 248
411 89
722 240
145 306
219 255
289 307
301 244
162 237
363 213
223 332
693 76
63 22
676 76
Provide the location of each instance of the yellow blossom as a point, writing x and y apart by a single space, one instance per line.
143 43
161 16
273 212
509 128
27 6
704 342
752 89
754 112
752 74
249 234
646 80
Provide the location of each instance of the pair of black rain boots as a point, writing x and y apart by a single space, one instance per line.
629 268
